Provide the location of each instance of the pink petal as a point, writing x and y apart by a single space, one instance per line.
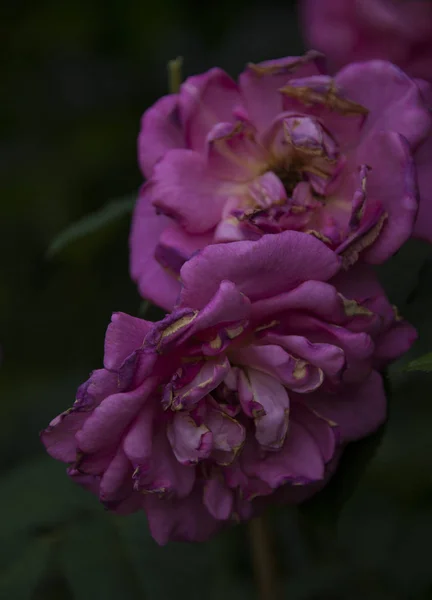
316 297
161 131
187 191
205 100
154 283
394 101
329 358
268 393
391 182
175 246
164 474
299 460
117 479
190 442
124 335
182 520
233 153
218 498
228 436
208 378
259 269
357 410
260 85
394 343
59 437
323 433
137 443
107 423
275 361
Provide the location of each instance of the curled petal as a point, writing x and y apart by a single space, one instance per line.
327 357
260 85
125 334
206 100
211 374
228 436
59 437
107 423
190 442
271 420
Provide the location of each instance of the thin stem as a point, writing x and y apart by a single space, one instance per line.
175 74
263 559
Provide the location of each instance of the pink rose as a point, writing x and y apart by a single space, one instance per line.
355 30
249 389
287 148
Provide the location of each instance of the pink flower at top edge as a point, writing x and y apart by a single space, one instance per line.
347 31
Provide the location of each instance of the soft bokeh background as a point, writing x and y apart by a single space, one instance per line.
76 76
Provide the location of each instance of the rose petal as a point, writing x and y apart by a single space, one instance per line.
161 131
154 283
259 269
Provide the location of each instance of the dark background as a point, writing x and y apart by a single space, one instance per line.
76 77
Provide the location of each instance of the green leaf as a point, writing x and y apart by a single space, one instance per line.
92 223
424 363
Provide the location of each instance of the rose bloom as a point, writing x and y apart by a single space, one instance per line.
286 148
246 393
355 30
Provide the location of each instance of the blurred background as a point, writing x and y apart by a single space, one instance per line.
76 77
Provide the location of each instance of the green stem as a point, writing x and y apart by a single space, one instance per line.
263 559
175 74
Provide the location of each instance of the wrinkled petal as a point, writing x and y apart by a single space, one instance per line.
327 357
190 442
259 269
228 436
392 181
107 423
124 335
275 361
208 378
260 85
271 410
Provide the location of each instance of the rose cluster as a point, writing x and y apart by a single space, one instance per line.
266 203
